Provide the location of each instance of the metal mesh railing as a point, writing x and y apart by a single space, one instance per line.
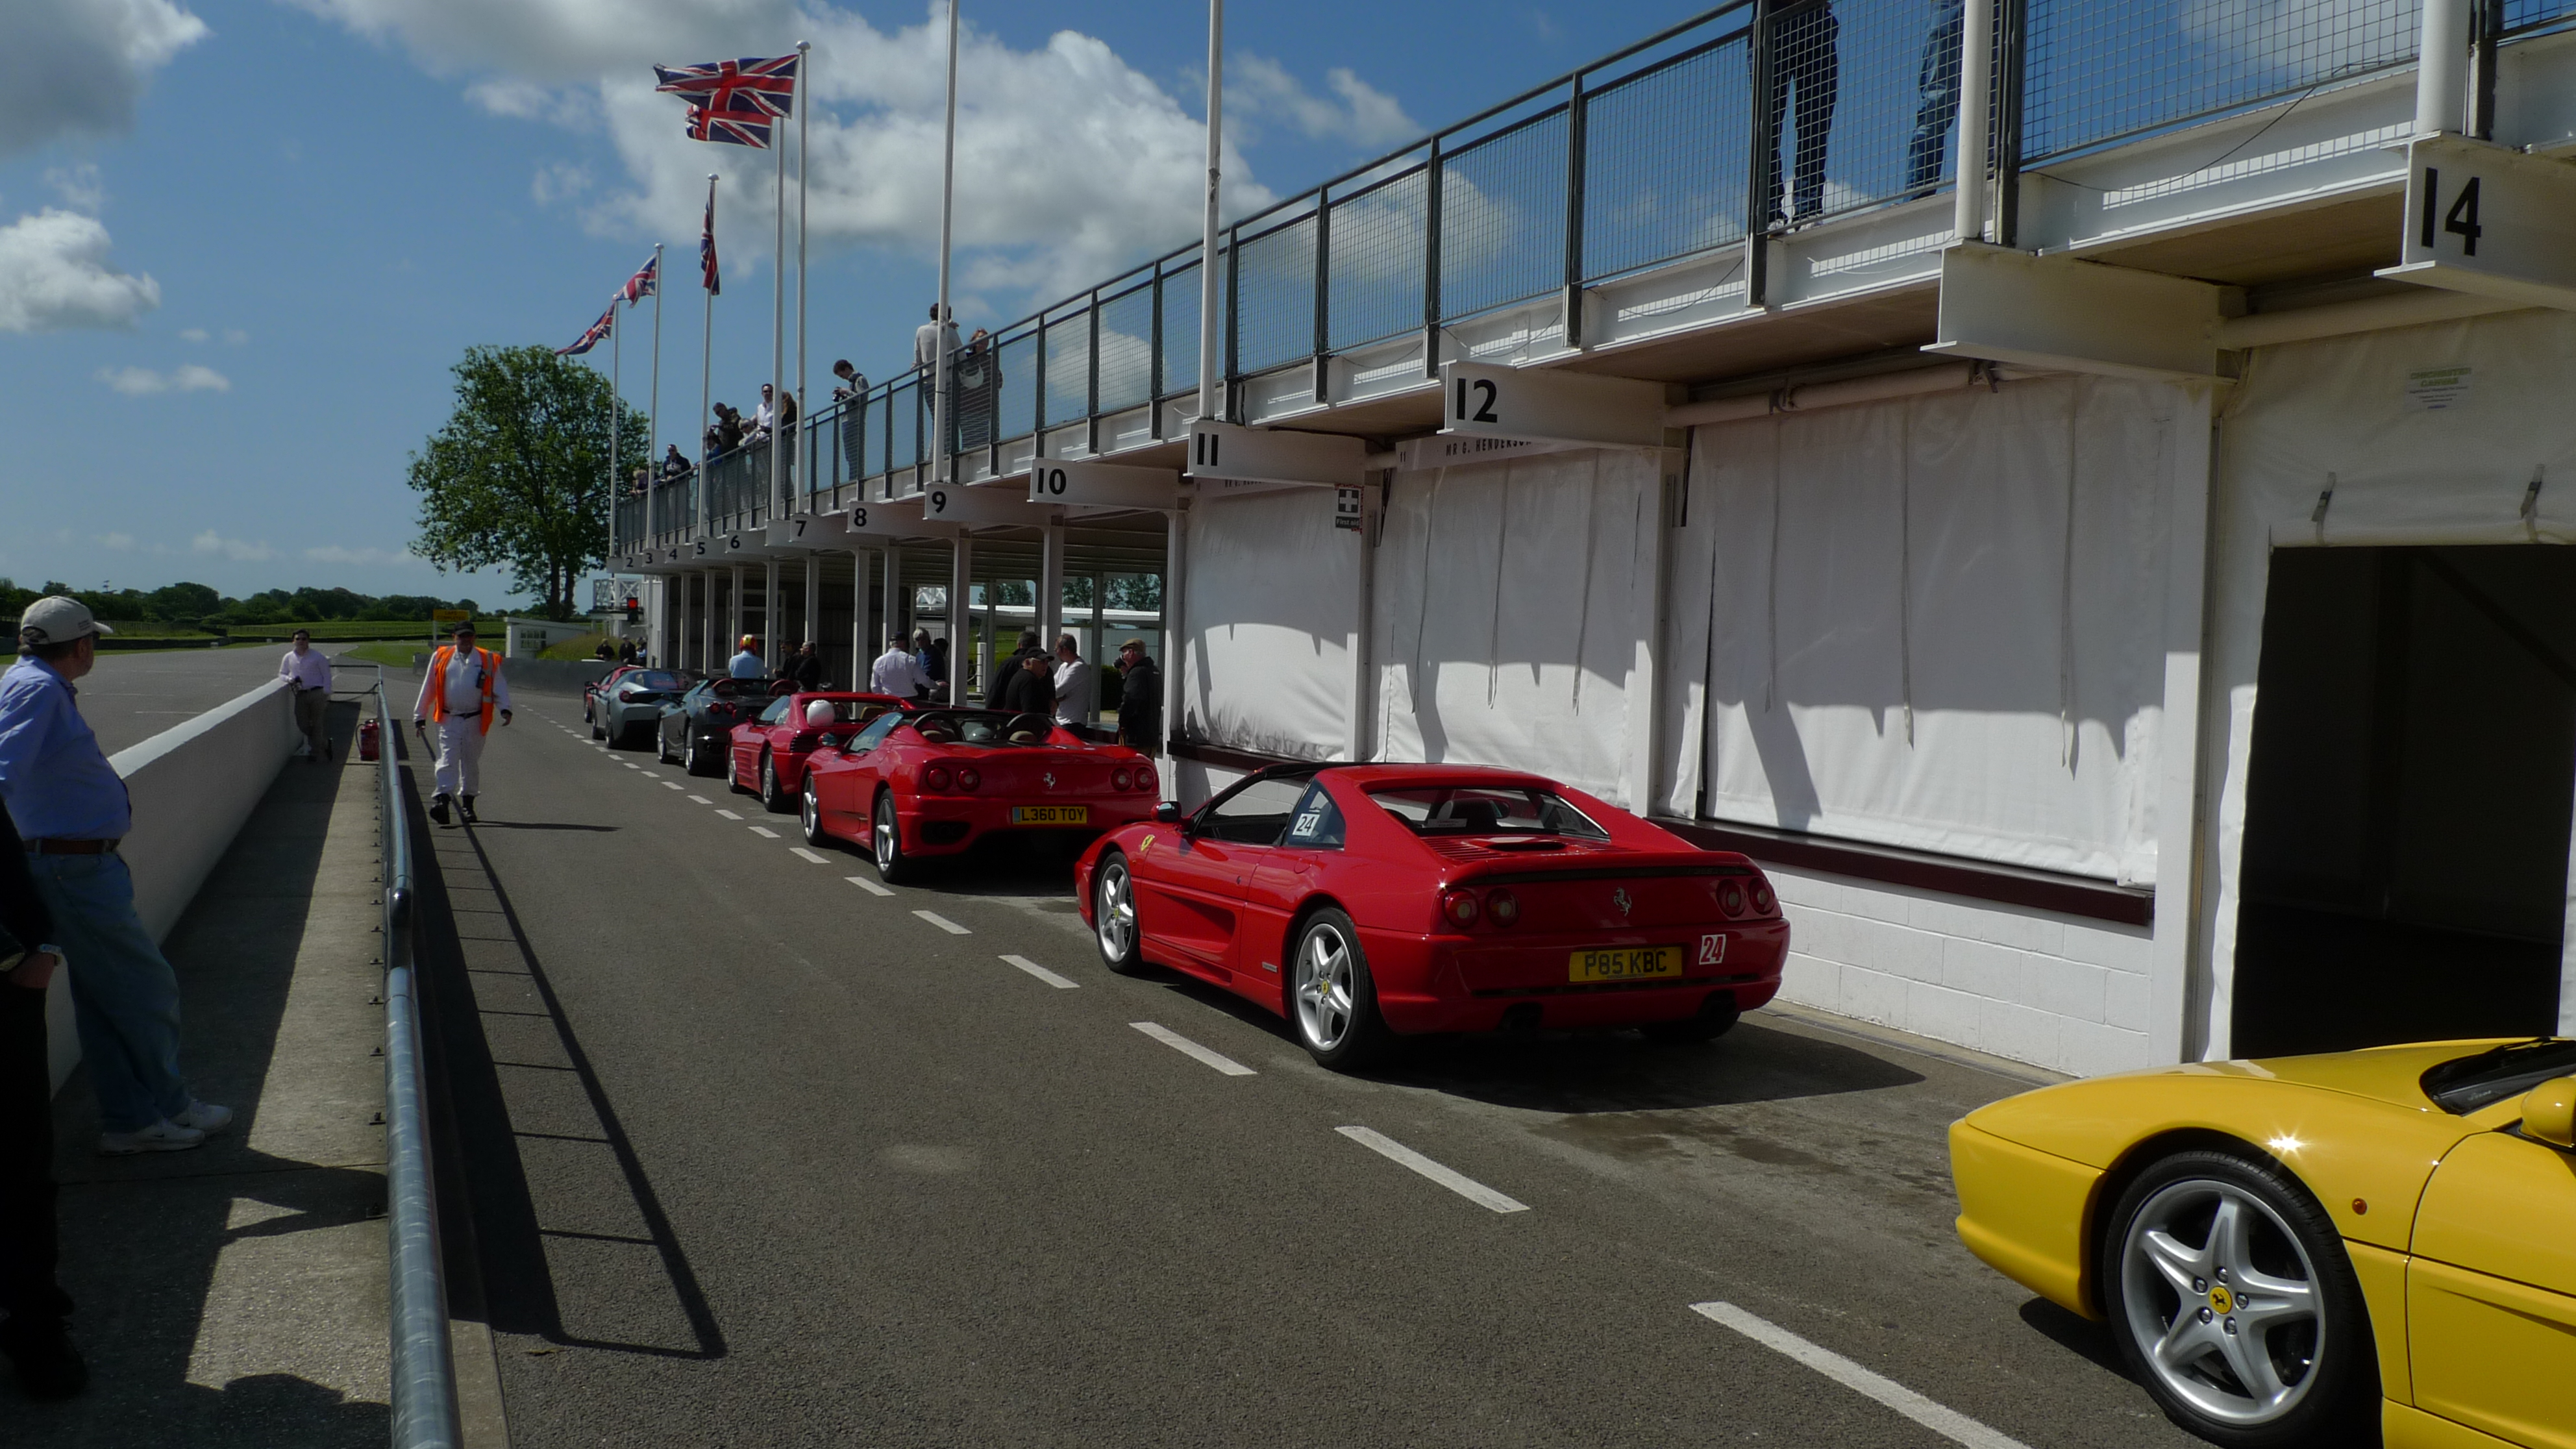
1180 329
1664 160
628 521
1127 349
1068 367
1502 217
1274 303
2524 15
2097 71
1374 276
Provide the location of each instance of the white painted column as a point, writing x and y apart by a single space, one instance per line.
1976 77
769 614
2442 68
1645 680
1360 719
814 601
890 597
862 652
2177 951
733 614
961 567
1176 555
1050 611
707 621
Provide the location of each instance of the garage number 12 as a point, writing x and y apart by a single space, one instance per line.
1485 395
2460 221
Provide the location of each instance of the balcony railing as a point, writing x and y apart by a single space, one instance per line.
1760 116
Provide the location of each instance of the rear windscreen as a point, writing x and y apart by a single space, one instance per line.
652 679
1485 810
984 729
2465 1084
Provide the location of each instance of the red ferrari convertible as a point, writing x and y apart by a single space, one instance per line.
769 753
937 781
1364 902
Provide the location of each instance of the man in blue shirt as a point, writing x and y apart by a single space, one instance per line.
747 665
70 808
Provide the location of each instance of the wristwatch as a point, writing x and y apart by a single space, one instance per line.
49 949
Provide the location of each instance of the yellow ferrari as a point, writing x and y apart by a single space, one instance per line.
2307 1250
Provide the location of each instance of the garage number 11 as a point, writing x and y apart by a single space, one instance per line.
1485 393
2460 221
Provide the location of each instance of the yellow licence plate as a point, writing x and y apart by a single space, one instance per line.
1626 963
1061 815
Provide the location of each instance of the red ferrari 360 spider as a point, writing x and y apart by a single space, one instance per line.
1364 902
769 753
937 781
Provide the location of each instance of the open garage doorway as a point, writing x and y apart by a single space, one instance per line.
2408 798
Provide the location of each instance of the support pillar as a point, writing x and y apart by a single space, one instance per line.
706 586
961 565
1050 612
1176 555
814 601
769 612
2177 1030
890 597
733 614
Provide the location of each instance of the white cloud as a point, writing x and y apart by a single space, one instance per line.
559 181
78 67
79 186
143 381
121 542
193 334
1259 87
1070 162
335 553
54 275
211 542
235 337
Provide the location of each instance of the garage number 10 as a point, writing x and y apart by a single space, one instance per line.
2461 220
1051 482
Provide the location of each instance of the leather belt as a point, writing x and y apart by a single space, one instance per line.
71 847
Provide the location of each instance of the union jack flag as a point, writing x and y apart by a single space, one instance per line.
645 283
734 101
707 246
598 333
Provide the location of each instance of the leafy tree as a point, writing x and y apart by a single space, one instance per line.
519 476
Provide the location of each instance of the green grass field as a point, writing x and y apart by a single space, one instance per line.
136 633
392 656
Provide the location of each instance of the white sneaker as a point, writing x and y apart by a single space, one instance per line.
205 1117
162 1136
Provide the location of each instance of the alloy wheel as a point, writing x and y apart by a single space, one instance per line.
1114 907
1325 987
2222 1297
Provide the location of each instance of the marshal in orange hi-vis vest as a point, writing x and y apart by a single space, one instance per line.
487 667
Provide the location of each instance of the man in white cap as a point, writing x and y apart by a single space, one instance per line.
70 809
462 692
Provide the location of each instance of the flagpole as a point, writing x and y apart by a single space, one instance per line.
706 369
1211 296
653 418
777 359
616 399
804 403
942 468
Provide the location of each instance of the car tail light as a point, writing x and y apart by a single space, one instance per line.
935 778
1763 901
1144 777
1730 898
1121 779
967 779
1459 907
1502 907
804 740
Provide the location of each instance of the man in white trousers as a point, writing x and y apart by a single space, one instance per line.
461 693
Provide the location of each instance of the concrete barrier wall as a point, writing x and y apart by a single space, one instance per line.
548 676
191 787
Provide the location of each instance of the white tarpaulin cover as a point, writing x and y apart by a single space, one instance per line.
2425 435
1510 598
1936 623
1271 607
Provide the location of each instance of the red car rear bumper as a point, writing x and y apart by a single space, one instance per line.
1469 983
952 824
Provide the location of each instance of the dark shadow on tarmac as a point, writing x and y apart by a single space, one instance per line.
142 1235
495 1234
2077 1335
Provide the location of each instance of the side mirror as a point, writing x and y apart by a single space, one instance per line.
831 742
1169 813
2549 1113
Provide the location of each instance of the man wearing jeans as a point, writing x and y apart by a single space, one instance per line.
70 809
310 676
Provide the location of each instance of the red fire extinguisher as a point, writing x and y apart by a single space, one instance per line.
368 744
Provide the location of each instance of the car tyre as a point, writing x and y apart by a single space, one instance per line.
2234 1302
1332 1001
1714 1019
661 746
596 731
689 760
1115 924
885 842
809 813
772 798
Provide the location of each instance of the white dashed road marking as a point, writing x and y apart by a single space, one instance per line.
871 887
816 856
1038 971
729 815
673 785
649 775
1187 1047
700 800
943 923
764 832
1948 1423
1457 1182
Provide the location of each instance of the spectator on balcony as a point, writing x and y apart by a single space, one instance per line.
1936 97
726 434
978 380
674 467
930 336
786 407
1804 58
640 483
851 395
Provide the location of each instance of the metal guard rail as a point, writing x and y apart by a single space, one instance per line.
423 1370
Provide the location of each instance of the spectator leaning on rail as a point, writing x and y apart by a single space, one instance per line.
310 675
1077 684
897 673
70 809
33 1335
747 665
1140 699
462 692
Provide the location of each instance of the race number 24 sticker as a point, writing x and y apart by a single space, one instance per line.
1712 949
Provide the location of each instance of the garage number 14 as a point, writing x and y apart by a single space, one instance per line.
2461 220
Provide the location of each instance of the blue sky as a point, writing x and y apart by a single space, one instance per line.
241 241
